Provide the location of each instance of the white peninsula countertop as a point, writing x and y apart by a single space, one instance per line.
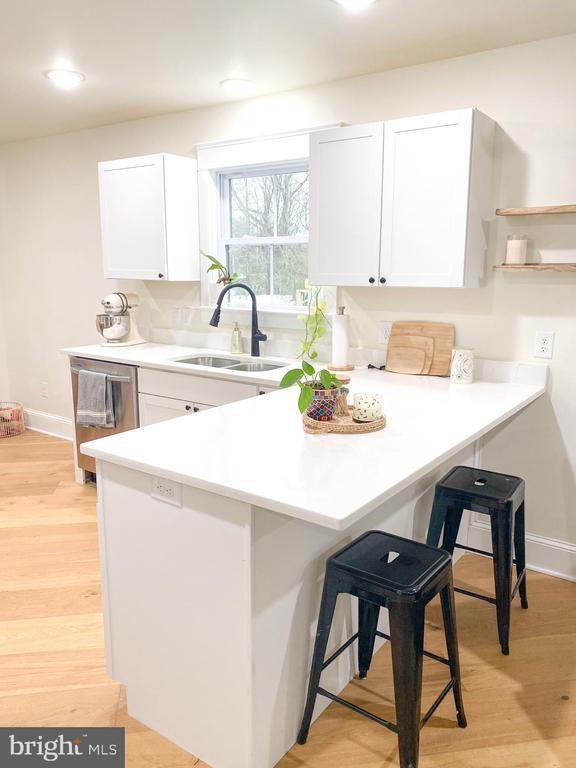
256 451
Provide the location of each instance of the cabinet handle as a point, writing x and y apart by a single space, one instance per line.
196 409
188 407
382 280
371 280
160 275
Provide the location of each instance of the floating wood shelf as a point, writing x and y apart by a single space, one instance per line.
536 211
550 267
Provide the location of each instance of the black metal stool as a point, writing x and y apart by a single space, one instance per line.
501 497
402 575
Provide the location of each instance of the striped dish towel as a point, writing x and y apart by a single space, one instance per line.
95 400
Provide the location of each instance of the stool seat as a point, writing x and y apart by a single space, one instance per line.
501 497
400 566
402 575
481 484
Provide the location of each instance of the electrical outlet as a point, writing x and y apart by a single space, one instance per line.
44 388
544 344
384 331
167 491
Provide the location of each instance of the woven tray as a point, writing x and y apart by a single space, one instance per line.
342 425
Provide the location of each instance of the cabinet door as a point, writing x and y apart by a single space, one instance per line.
345 205
154 409
425 199
132 209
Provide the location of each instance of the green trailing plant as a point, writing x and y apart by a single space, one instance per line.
306 376
225 277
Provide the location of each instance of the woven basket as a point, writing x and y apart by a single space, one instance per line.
11 419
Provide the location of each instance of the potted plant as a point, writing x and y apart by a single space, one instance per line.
225 277
319 390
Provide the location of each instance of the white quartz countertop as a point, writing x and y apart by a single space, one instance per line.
256 451
164 357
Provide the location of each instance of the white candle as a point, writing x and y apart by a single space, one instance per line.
516 249
367 407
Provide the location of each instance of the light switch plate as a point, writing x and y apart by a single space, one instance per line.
167 490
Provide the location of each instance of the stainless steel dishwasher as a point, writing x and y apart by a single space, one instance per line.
124 379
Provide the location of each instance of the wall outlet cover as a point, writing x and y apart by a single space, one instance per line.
544 344
167 491
384 331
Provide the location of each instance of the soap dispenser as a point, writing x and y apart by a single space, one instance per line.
236 342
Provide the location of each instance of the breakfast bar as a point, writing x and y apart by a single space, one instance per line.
214 532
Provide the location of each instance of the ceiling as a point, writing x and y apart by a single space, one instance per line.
147 57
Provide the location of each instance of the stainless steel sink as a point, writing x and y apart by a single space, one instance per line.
209 360
231 363
256 367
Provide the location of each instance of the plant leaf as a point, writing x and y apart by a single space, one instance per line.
291 377
313 355
308 369
306 395
326 378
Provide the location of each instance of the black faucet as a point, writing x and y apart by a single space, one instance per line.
257 335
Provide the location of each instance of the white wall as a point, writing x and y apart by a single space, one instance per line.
51 240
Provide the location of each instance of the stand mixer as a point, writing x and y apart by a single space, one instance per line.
116 325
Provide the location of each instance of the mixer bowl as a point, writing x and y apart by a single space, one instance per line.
113 327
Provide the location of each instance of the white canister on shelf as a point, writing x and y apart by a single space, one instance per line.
340 342
462 368
516 249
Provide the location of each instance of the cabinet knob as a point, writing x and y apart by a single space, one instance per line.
382 280
160 275
188 407
196 409
371 280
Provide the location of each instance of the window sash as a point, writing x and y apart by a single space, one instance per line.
225 239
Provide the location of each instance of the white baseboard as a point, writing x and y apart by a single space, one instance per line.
551 556
57 426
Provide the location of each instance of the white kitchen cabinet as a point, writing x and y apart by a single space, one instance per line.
436 195
193 389
154 408
345 204
429 208
149 218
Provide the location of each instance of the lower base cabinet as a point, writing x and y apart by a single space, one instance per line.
154 409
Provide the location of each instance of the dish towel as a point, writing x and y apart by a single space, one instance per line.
95 400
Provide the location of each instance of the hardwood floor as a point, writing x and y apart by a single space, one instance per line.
521 709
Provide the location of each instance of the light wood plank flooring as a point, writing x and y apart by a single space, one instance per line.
521 709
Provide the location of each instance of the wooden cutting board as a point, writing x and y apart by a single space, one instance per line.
442 335
410 354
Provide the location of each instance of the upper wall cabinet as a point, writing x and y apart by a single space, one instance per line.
345 204
149 217
429 207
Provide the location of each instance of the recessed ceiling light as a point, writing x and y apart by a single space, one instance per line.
67 79
238 86
355 6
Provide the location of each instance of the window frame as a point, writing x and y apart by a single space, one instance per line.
225 238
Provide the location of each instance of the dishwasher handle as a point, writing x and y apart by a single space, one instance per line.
109 376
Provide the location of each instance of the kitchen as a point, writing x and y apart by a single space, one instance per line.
253 452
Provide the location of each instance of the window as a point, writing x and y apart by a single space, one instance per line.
264 234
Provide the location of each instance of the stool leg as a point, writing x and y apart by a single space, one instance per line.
501 524
437 519
407 638
449 615
327 605
520 551
451 527
367 623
